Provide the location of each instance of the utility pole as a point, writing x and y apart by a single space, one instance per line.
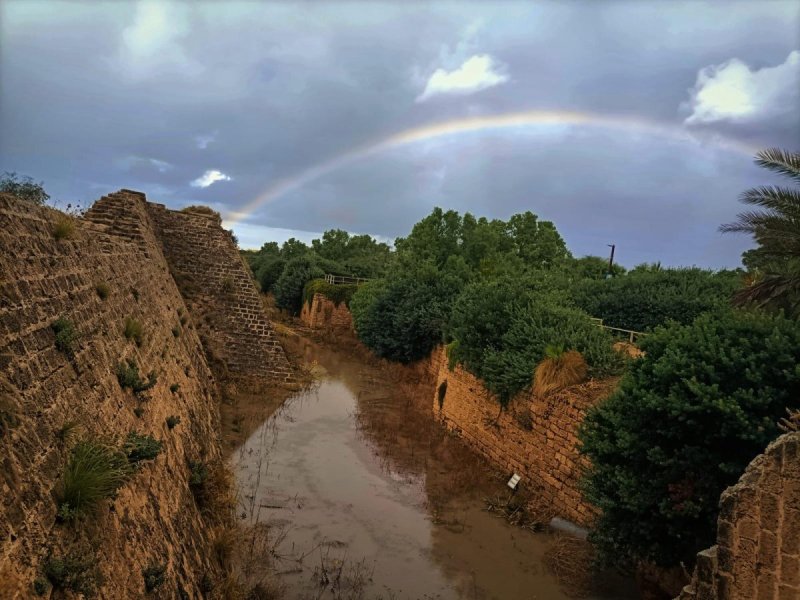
611 260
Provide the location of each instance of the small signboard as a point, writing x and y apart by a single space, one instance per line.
512 483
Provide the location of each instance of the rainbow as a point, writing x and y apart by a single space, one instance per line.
529 118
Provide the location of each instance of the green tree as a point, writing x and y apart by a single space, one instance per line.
23 188
686 420
288 289
537 243
776 230
293 248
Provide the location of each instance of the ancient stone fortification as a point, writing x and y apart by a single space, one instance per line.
757 555
214 280
323 313
536 437
111 267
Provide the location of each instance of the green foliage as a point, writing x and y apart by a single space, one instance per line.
41 586
594 267
23 188
686 420
502 329
173 421
141 447
268 271
174 387
103 290
403 318
67 431
198 480
66 335
336 293
128 377
648 297
289 287
138 411
76 572
134 330
94 472
154 576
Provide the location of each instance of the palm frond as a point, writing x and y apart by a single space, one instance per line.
780 161
780 291
780 199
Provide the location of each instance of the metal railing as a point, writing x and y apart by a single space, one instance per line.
628 333
344 280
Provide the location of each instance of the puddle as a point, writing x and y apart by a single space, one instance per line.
364 496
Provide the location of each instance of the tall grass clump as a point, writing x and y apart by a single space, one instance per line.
64 228
134 330
103 290
559 370
94 472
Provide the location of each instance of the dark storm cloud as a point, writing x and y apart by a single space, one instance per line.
94 97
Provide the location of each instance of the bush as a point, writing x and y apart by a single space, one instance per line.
94 472
172 421
174 387
128 377
648 297
198 476
268 273
134 330
502 329
64 227
76 572
66 336
141 447
103 290
403 318
685 422
335 293
154 576
23 188
288 289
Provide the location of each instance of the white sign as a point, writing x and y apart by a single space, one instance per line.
512 483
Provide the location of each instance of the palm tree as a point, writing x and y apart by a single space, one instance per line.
776 229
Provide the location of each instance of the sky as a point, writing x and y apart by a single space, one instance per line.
629 122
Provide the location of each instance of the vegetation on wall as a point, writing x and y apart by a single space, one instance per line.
337 294
686 420
23 188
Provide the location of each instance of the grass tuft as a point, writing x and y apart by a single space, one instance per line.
128 377
64 228
172 421
558 371
103 290
134 330
94 472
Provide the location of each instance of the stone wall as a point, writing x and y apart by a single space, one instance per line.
323 313
154 518
216 284
536 437
757 556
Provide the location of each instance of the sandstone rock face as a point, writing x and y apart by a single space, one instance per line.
757 555
110 267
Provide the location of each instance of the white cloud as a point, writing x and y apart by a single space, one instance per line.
153 41
476 73
209 177
734 92
129 162
203 141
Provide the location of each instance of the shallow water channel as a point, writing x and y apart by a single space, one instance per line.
365 497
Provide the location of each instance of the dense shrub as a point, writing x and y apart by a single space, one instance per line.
154 576
288 289
268 273
76 571
141 447
502 329
94 472
336 293
173 421
686 420
66 335
403 318
646 298
128 377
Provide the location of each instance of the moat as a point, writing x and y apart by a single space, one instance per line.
365 496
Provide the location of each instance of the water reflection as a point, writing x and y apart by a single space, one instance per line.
365 496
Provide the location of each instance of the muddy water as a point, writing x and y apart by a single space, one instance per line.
365 497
